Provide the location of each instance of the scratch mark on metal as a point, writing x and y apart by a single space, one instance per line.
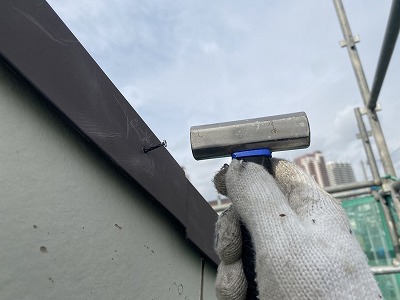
143 135
32 19
105 134
273 127
126 116
142 164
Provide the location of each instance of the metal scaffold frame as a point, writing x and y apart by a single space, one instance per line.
386 53
370 98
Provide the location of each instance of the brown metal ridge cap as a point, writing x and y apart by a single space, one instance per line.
40 47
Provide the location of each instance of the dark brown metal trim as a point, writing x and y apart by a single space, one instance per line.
40 47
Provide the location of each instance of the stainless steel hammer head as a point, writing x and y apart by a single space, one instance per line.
277 133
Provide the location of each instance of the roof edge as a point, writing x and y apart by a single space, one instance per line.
40 47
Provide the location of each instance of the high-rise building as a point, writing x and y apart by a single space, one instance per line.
314 165
340 172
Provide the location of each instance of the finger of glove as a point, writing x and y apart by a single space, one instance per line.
231 283
299 187
219 180
228 237
256 196
291 178
304 194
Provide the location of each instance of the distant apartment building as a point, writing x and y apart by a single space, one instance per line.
340 173
314 165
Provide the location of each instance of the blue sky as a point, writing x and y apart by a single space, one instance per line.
182 63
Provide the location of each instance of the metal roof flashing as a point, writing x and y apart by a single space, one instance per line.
39 47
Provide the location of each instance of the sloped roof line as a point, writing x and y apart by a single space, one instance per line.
40 47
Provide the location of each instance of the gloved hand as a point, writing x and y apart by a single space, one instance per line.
303 243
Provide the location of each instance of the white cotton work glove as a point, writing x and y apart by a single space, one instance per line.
304 247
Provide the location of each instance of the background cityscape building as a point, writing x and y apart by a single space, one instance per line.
314 165
340 173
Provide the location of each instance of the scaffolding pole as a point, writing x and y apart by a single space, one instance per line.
385 270
394 190
367 145
351 186
390 223
389 42
364 89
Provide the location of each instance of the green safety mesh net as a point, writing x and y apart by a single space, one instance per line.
368 223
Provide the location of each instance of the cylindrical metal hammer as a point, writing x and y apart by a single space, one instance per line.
251 140
276 133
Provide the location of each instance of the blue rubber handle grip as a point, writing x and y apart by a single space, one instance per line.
252 153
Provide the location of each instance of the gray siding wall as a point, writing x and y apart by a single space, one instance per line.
71 225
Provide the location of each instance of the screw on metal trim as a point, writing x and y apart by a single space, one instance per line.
151 148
